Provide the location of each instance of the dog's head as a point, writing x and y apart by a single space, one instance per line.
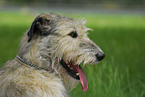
64 43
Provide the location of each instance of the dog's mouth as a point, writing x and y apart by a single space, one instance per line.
76 72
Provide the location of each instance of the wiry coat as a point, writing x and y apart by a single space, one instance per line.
45 44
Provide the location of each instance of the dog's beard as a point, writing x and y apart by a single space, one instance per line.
76 72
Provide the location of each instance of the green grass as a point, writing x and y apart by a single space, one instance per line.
120 74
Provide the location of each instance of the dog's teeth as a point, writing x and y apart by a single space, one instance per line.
77 73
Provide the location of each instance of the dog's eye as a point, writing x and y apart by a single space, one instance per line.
73 34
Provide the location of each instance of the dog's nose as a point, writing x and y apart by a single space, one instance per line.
100 56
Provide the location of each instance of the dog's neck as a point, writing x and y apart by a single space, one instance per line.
22 61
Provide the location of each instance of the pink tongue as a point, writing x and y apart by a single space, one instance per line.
83 78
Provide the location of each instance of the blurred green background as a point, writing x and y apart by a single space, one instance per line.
118 28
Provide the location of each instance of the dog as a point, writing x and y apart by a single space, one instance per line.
49 59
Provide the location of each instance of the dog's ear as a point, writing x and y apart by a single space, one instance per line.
40 26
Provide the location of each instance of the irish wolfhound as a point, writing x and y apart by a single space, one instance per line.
49 58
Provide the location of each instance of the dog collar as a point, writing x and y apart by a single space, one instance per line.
22 61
